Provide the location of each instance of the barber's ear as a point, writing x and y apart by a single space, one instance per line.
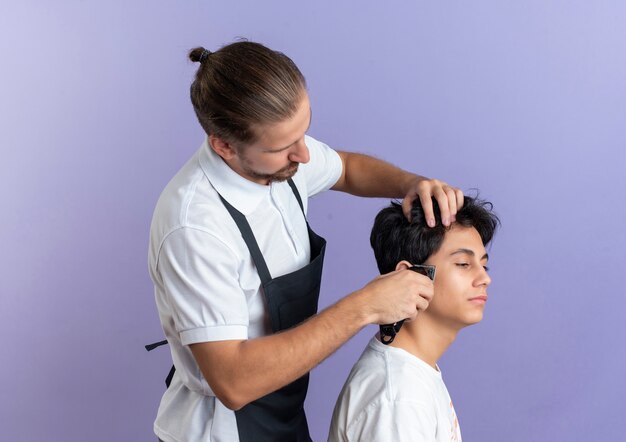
222 147
403 265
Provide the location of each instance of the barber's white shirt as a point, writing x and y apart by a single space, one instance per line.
391 395
206 285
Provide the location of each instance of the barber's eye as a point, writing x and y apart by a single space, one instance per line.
486 268
462 264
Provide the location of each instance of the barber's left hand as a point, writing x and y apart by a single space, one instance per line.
449 198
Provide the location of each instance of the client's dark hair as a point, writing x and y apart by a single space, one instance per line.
394 239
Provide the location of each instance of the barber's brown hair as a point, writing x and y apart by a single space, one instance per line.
242 85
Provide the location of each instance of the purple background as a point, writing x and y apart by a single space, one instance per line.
523 100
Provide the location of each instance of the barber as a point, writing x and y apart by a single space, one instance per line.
237 268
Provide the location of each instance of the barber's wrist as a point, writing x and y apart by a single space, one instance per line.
411 183
360 309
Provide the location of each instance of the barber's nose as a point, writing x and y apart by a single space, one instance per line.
300 153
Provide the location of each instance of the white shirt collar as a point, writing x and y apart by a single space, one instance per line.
405 355
243 194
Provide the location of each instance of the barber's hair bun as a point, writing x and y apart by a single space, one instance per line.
199 54
243 85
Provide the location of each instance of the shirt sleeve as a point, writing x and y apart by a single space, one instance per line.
200 279
394 420
323 169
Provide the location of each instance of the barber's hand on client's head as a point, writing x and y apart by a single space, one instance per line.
450 199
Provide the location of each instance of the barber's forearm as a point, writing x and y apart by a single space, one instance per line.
253 368
367 176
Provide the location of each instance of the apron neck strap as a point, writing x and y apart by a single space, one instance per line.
248 236
297 194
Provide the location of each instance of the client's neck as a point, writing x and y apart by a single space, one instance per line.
426 338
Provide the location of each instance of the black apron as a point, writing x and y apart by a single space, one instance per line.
291 298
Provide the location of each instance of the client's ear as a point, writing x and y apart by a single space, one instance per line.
403 265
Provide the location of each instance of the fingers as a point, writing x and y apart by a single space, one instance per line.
452 207
420 298
407 204
449 199
425 195
426 289
444 209
421 305
398 295
460 199
412 316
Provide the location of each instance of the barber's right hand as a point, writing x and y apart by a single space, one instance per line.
395 296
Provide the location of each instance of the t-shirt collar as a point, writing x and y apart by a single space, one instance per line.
243 194
408 357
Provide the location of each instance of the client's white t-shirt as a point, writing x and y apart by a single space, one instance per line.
392 395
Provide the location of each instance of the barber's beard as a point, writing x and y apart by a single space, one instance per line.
281 175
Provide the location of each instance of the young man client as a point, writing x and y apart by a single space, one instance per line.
395 392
